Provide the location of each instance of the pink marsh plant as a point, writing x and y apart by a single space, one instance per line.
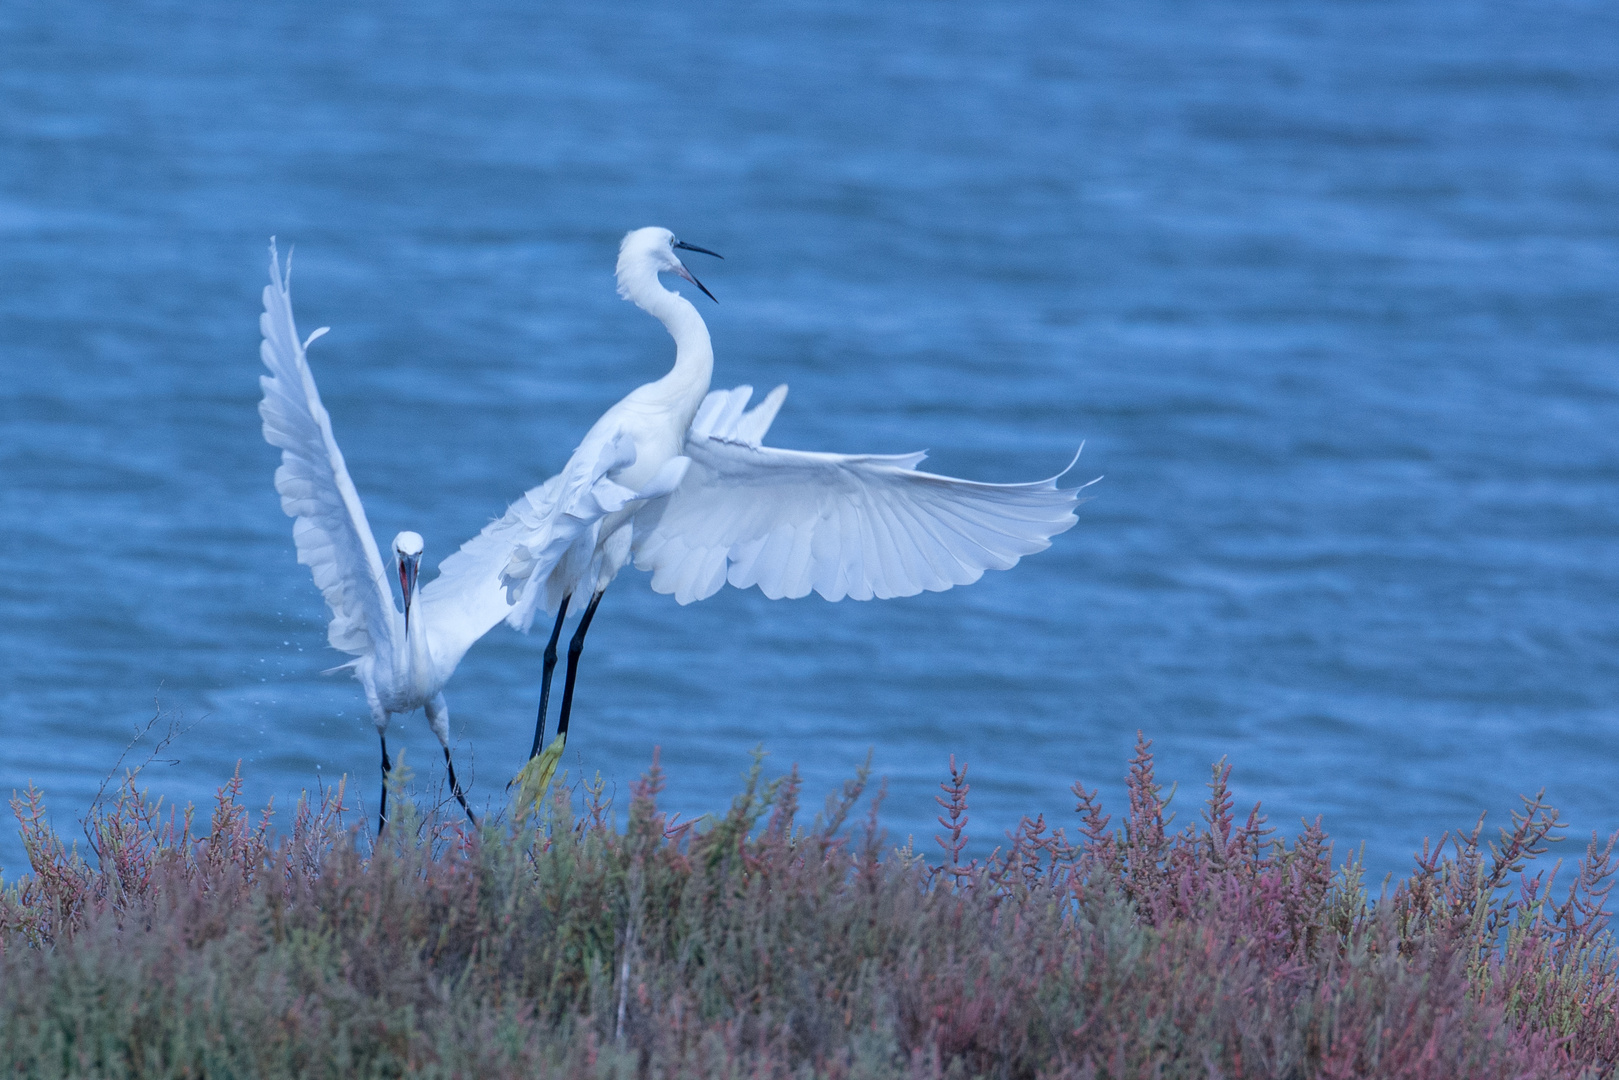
751 944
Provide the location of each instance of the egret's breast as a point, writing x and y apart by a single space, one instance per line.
421 680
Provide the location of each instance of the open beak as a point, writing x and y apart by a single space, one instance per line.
408 565
687 274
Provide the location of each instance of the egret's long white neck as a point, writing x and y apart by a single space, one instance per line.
419 657
694 352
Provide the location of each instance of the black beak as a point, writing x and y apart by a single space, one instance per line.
408 566
683 246
680 268
687 274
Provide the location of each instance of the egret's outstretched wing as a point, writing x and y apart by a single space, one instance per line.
722 415
560 518
468 597
334 540
556 523
861 526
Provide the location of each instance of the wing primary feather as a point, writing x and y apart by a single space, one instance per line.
754 423
857 526
330 529
935 556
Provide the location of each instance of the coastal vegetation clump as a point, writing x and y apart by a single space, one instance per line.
607 944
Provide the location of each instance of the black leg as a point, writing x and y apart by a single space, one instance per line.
382 805
545 677
575 647
456 788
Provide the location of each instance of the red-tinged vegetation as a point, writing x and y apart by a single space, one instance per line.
748 944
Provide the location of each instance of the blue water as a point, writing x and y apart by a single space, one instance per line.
1329 289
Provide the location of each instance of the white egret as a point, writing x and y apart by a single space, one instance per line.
401 658
684 487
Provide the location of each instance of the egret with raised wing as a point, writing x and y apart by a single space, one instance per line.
678 480
402 658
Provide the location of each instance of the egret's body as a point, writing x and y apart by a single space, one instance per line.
402 658
678 480
572 529
575 531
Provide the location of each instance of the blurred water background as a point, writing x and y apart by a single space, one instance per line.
1327 288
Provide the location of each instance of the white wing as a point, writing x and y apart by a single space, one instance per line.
334 540
546 537
861 526
560 518
721 415
468 597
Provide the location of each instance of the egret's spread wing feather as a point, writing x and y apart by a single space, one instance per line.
552 530
561 515
334 540
860 526
719 411
722 415
752 425
468 597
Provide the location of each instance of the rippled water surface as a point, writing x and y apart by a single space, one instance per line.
1327 289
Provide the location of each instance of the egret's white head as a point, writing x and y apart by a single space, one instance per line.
408 553
652 251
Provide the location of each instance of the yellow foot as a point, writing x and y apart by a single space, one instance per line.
535 779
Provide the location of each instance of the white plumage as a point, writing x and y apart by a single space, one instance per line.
673 477
402 659
571 523
678 479
861 526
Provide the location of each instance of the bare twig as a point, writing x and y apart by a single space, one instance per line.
176 728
